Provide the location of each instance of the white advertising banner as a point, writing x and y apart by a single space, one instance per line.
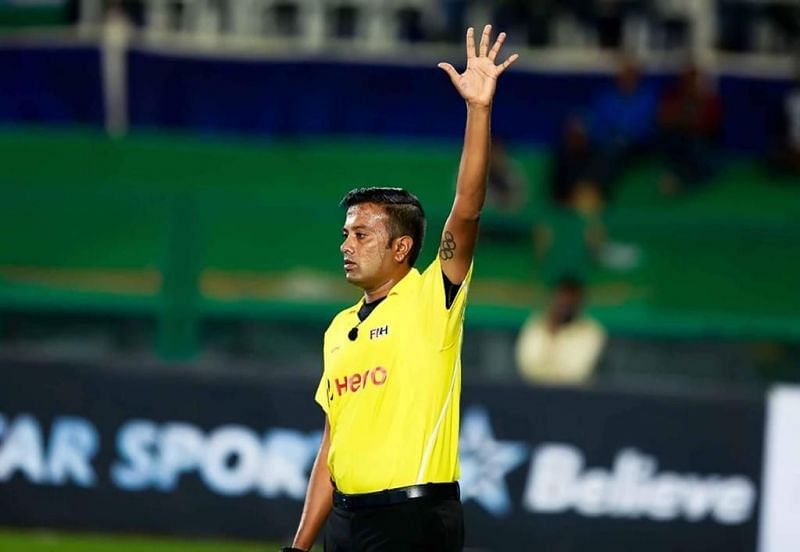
780 509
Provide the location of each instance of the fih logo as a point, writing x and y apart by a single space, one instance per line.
375 333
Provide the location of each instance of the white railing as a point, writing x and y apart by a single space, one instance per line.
375 22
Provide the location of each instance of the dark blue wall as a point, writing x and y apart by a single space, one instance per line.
279 98
50 85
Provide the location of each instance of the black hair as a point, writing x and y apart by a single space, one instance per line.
406 216
571 283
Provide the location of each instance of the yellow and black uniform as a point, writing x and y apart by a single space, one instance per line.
391 388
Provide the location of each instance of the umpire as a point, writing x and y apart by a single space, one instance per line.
385 477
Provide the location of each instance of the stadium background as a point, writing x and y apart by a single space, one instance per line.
169 252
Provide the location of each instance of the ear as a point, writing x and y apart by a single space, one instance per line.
402 248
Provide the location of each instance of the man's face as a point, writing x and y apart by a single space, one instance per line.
368 257
628 77
566 305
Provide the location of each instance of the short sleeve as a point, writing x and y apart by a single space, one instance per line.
322 396
443 324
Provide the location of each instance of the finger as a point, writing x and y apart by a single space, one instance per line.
485 37
450 70
470 43
497 45
507 63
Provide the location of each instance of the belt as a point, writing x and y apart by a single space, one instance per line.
395 496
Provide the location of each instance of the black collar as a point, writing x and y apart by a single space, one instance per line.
367 308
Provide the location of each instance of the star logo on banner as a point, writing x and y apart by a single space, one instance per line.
486 461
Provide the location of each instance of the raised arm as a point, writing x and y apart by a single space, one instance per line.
476 85
319 497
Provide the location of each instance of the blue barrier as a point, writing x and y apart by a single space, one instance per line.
51 85
307 98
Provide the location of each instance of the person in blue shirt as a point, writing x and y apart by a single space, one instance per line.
622 123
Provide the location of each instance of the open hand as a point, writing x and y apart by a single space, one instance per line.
477 83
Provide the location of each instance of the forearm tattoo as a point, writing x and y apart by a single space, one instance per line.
447 250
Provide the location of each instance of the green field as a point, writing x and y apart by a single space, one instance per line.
45 541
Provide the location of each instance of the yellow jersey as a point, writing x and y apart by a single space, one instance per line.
392 394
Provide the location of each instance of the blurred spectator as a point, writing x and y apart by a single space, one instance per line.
573 163
786 151
563 345
507 187
568 239
569 236
690 117
623 121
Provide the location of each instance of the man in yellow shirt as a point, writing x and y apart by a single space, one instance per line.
386 473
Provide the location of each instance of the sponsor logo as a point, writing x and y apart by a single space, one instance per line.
485 461
59 457
559 481
374 377
230 460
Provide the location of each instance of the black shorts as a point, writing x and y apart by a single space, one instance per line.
424 524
